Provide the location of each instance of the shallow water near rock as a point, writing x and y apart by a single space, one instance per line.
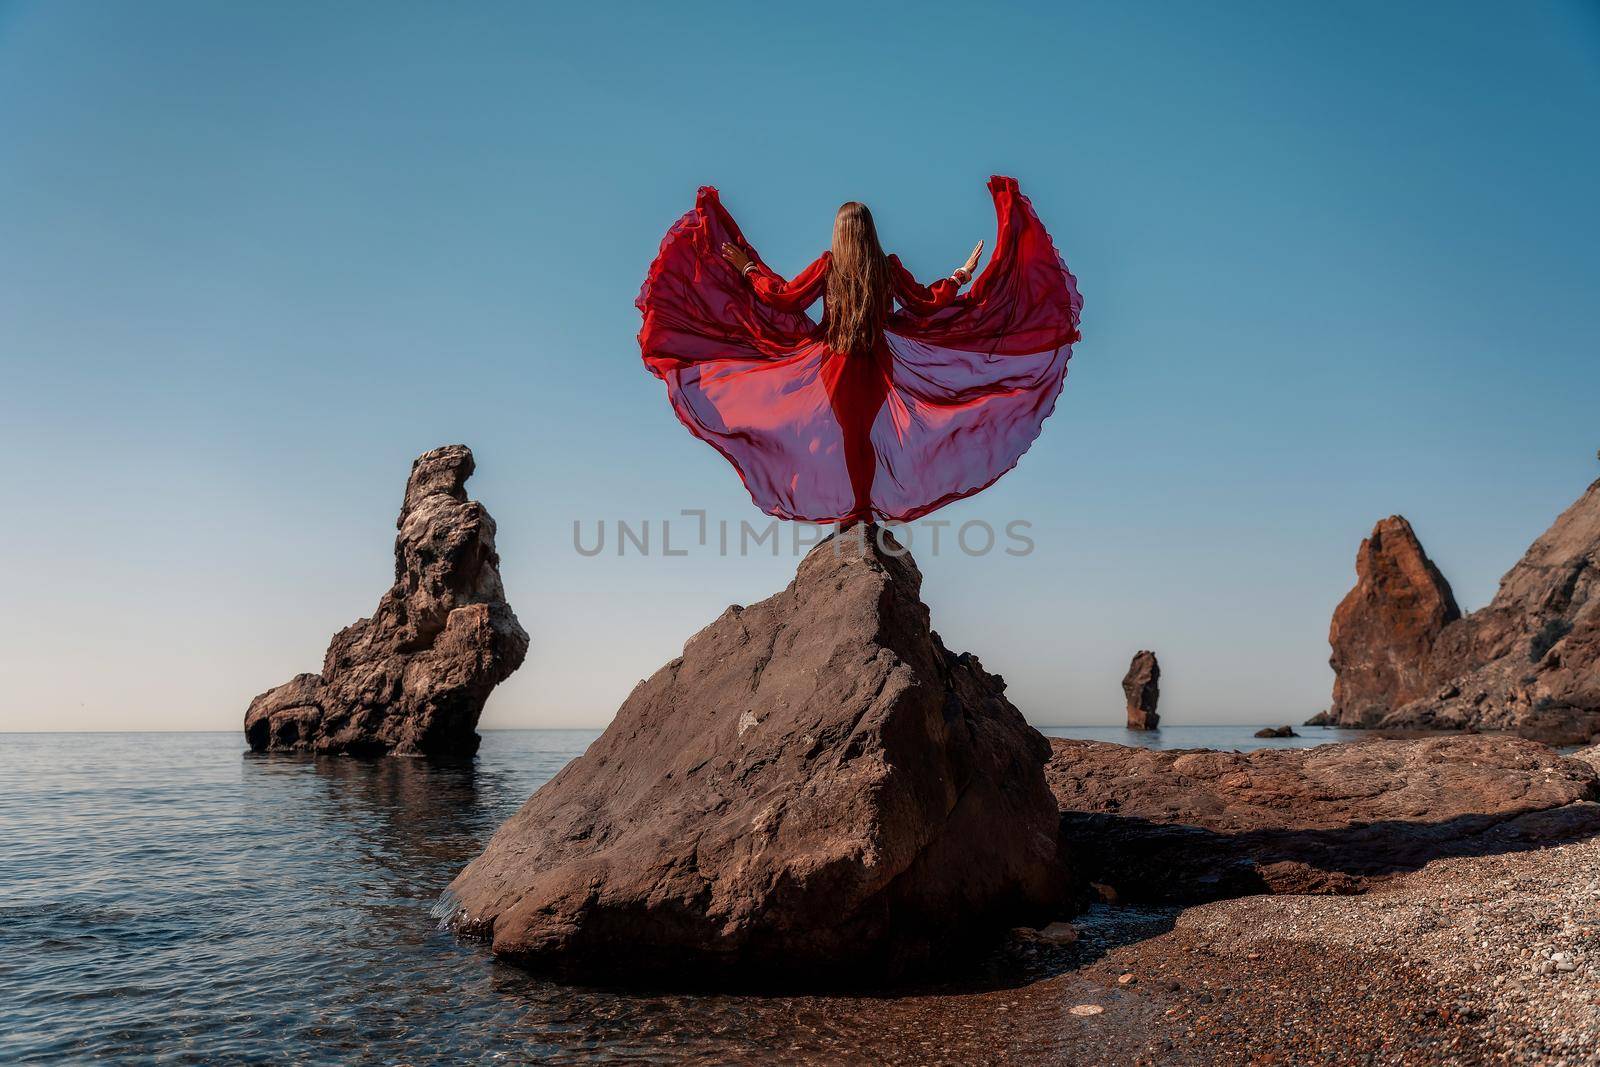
169 896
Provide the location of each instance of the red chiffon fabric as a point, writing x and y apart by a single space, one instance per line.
949 401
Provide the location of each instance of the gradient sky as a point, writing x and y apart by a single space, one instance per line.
1339 261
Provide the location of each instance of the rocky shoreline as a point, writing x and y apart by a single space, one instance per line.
1455 963
1491 959
1186 826
818 794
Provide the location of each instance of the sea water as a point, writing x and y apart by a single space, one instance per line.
170 897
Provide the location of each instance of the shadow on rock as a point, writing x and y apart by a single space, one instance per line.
1154 863
1192 826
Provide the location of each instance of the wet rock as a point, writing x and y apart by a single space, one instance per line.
1384 628
816 790
1105 894
1141 685
1057 934
411 680
1276 731
1184 826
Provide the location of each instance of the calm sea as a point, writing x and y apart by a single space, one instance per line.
168 897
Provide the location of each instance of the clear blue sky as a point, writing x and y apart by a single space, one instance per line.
1339 261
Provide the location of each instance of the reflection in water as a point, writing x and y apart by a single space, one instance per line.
162 896
405 817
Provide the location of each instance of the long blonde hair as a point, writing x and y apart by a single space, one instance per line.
858 282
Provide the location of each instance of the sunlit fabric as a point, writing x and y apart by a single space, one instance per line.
950 400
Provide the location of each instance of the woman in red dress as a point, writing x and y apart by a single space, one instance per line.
876 412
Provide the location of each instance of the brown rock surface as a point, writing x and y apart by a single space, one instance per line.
1530 661
815 789
411 680
1199 825
1142 687
1384 628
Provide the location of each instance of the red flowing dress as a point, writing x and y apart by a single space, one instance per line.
951 398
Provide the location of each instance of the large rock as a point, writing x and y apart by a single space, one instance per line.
1529 662
815 790
1142 688
1184 826
1384 628
411 680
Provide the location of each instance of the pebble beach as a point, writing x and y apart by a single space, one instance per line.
1490 959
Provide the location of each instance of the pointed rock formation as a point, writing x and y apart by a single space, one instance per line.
1142 686
816 790
411 680
1384 628
1528 663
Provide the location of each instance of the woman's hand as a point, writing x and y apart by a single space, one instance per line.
737 256
972 261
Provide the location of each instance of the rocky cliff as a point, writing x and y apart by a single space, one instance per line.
412 679
1529 662
816 789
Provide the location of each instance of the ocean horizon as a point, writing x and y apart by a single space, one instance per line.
1234 736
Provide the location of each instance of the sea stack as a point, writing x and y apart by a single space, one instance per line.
817 790
1384 628
1528 663
411 680
1141 685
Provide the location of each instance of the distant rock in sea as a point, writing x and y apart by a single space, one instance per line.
1142 688
1529 662
411 680
1276 731
1186 826
815 790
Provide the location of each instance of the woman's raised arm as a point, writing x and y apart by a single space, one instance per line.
794 295
922 299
